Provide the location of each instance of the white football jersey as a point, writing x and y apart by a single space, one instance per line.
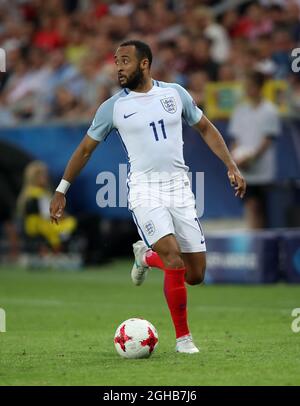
150 127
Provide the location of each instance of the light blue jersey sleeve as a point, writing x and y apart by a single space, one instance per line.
103 124
190 111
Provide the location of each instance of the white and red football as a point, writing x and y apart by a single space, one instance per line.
136 338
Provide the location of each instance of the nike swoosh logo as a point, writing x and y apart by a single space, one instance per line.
129 115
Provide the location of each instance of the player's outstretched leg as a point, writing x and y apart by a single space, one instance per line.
140 268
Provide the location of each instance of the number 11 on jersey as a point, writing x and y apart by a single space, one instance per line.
163 130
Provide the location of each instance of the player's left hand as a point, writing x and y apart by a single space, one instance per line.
237 181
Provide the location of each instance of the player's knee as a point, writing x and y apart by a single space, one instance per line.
196 278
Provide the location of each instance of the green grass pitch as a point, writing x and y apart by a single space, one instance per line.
60 328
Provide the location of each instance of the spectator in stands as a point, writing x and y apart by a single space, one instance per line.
196 87
227 73
255 23
254 126
243 57
66 105
202 59
26 84
12 162
77 47
283 44
291 15
167 57
48 37
33 210
265 63
206 26
62 73
184 46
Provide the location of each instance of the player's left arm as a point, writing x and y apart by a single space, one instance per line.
216 143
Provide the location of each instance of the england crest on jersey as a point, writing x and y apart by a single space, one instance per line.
149 227
169 104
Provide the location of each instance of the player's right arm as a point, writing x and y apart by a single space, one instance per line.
76 163
100 128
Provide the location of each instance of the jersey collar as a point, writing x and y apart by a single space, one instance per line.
154 83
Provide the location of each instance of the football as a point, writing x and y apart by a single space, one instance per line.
136 338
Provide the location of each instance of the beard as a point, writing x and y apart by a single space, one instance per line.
134 80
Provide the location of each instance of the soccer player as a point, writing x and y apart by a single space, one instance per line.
147 115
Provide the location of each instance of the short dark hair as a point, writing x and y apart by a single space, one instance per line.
257 78
142 49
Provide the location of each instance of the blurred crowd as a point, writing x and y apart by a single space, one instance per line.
59 53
